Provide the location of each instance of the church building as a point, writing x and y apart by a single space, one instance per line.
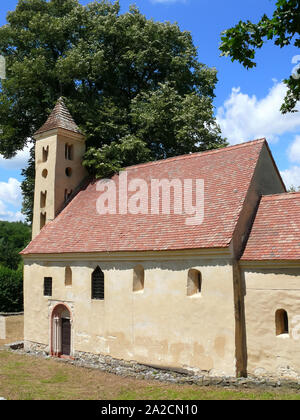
122 267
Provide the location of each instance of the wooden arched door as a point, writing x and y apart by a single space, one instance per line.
66 336
61 331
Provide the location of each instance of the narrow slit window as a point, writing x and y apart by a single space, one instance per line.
138 278
194 282
69 151
98 284
68 172
43 199
42 220
282 322
68 194
68 276
47 286
45 153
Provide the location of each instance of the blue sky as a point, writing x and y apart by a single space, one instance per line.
247 101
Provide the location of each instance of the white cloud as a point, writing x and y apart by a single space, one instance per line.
9 215
291 177
244 118
10 197
294 151
18 162
10 191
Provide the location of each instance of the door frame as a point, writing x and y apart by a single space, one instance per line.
56 330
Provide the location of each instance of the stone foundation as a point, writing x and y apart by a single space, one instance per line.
165 374
36 348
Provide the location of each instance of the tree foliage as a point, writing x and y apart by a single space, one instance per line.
11 290
293 189
134 86
14 236
242 41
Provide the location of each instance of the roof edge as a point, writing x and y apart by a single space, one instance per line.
142 254
282 196
275 166
268 263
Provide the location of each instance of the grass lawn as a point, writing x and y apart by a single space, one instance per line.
24 377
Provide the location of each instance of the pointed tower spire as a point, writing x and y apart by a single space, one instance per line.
59 149
60 117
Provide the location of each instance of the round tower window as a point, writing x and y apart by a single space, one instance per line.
68 171
44 173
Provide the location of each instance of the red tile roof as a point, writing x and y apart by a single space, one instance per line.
227 174
60 117
275 233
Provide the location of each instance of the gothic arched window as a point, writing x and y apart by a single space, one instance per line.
98 284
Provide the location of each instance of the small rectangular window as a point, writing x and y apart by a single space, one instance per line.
194 282
47 286
138 278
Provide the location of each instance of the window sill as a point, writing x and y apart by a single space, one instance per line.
283 336
195 296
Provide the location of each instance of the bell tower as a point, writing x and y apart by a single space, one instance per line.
59 149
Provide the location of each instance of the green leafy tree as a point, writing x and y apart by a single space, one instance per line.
134 86
242 41
14 236
293 189
11 290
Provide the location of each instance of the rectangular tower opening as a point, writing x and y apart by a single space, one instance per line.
68 151
45 153
43 199
42 220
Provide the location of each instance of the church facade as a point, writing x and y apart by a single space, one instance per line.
219 296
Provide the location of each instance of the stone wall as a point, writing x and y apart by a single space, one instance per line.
11 326
160 325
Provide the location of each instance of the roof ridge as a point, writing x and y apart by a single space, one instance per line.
197 154
281 196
